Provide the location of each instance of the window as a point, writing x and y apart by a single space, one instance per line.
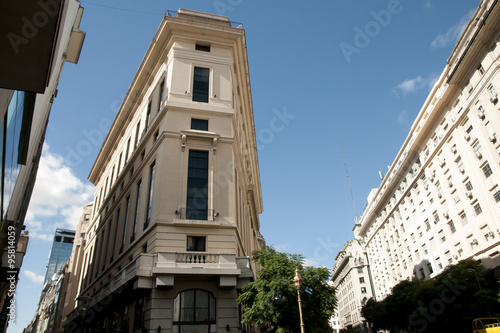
363 290
492 91
150 194
136 140
487 170
477 209
451 225
463 218
480 69
361 280
469 186
139 313
136 215
469 129
496 196
127 150
427 225
197 186
442 236
194 311
148 115
200 84
162 88
422 273
199 124
436 217
473 242
119 165
360 270
195 243
201 47
477 149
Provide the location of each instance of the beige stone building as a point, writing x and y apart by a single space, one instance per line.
439 202
352 281
177 199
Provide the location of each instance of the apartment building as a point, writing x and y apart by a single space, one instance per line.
439 201
177 189
352 281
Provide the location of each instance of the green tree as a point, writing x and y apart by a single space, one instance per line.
447 303
271 301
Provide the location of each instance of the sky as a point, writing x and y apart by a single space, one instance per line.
343 80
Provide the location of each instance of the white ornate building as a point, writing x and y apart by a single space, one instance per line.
440 200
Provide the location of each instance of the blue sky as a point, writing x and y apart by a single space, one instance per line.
335 72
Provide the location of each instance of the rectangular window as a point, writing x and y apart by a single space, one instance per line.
197 186
112 176
487 170
442 236
469 186
200 84
117 220
195 243
201 47
199 124
361 279
496 196
452 227
477 209
160 100
125 223
148 115
136 215
363 290
436 217
127 150
137 133
150 194
463 217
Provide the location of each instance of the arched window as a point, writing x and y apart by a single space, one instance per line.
194 311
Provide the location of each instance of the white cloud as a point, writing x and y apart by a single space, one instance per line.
402 118
35 278
58 197
450 37
415 84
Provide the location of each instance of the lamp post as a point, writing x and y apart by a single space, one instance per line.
297 280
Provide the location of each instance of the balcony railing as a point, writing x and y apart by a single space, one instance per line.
197 258
237 25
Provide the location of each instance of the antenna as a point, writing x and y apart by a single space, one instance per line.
348 181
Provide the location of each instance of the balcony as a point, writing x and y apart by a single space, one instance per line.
227 266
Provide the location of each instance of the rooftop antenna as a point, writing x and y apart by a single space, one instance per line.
349 182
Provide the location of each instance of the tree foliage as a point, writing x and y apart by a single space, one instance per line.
271 301
447 303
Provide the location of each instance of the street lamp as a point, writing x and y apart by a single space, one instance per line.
297 280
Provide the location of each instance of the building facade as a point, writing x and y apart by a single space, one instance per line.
352 281
440 200
177 199
60 252
39 37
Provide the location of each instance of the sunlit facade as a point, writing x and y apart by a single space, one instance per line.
440 199
352 281
177 199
